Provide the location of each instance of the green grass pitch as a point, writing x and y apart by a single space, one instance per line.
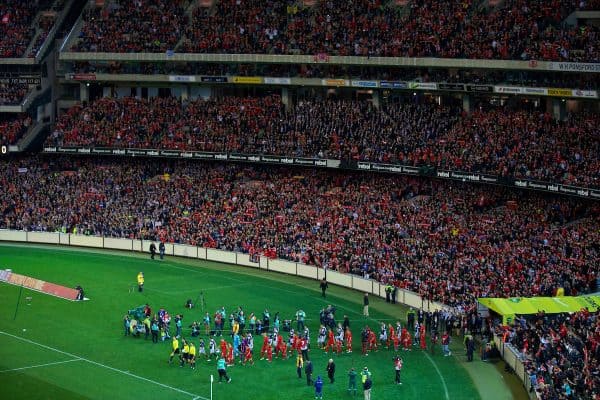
58 349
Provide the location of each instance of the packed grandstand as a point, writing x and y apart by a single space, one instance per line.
448 148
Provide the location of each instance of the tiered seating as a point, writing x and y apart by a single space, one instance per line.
137 26
518 29
499 141
561 352
13 127
449 242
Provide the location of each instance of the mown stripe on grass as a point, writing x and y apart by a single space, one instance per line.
195 396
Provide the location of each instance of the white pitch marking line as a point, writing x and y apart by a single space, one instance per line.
439 373
41 365
104 366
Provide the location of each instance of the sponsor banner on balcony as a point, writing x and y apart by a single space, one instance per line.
252 80
315 162
182 78
557 188
213 79
480 88
20 80
560 92
395 168
509 89
423 85
278 81
588 94
393 84
335 82
535 91
459 87
82 77
574 67
364 84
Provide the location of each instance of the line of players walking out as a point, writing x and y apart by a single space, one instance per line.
274 345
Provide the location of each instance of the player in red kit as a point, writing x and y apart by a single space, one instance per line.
390 338
269 352
406 341
423 343
348 337
278 345
372 341
263 349
229 358
248 356
330 341
396 341
223 348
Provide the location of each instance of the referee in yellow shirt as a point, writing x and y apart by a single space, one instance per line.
175 346
192 355
185 352
140 281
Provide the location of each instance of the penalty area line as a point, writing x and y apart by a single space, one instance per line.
77 358
41 365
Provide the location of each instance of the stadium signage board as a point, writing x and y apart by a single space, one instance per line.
182 78
82 77
509 89
278 81
480 88
451 86
410 170
364 84
537 91
574 67
423 85
316 162
393 84
21 80
213 79
335 82
590 94
204 156
248 79
101 151
560 92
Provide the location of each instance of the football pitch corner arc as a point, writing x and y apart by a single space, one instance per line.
106 277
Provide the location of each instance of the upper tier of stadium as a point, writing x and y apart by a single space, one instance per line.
25 25
511 30
502 141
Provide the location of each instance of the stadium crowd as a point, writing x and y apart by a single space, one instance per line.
450 242
18 26
516 29
12 93
499 141
561 351
132 27
17 31
13 127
